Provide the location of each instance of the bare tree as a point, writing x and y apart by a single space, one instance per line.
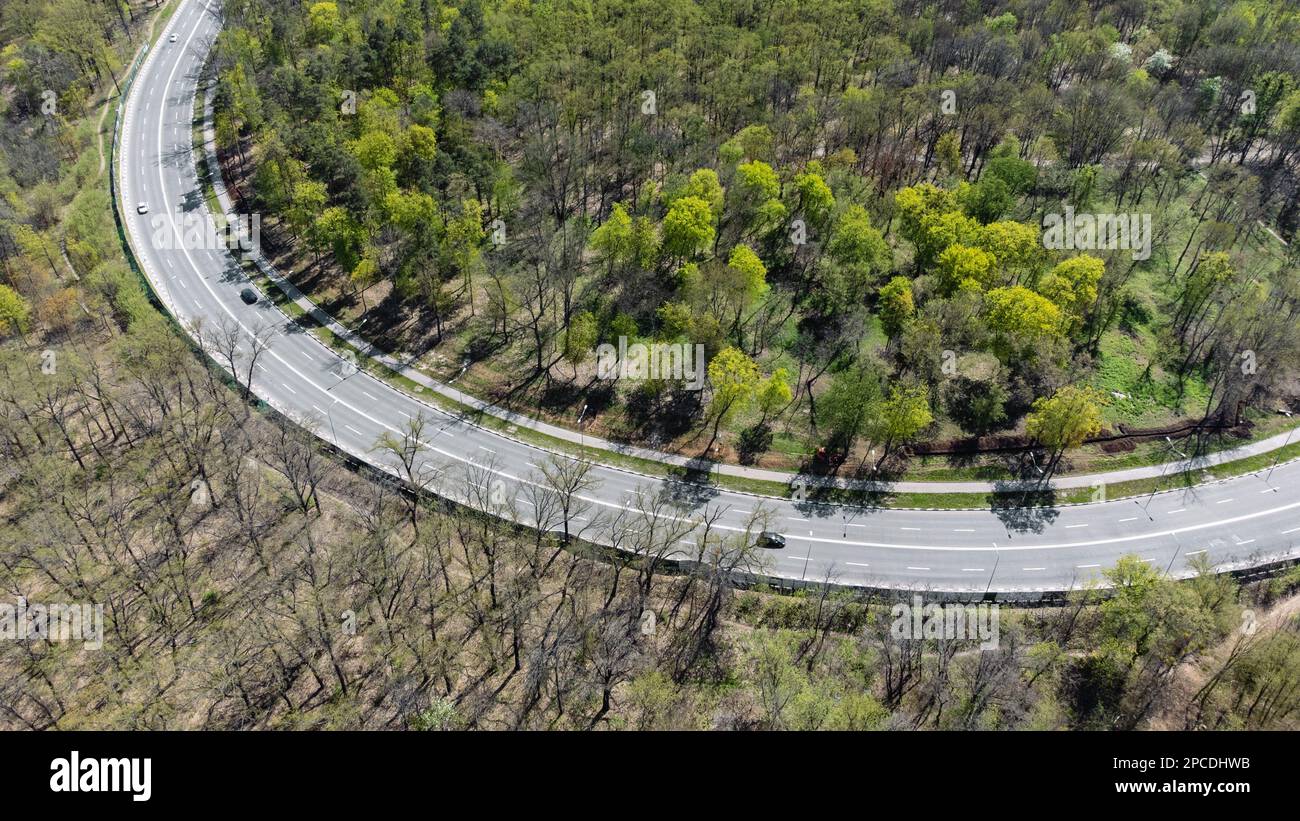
235 349
412 465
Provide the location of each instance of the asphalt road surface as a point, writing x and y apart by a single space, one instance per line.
1236 523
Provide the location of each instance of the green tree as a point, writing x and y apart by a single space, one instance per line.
757 182
1017 247
462 243
704 185
1160 623
901 416
756 196
580 338
1020 318
15 313
613 239
36 246
734 380
687 228
336 228
916 203
986 200
324 22
855 242
375 150
896 304
1020 176
752 273
645 242
753 142
1064 420
422 142
943 230
1072 286
675 319
815 198
309 200
774 393
366 274
847 405
963 265
948 153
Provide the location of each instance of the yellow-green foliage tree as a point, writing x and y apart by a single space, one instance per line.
734 379
1065 420
1072 286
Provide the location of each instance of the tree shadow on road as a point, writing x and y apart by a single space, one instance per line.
1023 508
693 488
232 271
824 499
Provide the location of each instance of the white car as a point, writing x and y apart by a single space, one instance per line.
171 39
142 208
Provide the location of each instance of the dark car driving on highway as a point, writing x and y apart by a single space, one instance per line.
248 295
771 540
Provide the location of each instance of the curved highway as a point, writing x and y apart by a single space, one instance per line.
1235 523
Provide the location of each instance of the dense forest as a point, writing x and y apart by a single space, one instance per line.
847 204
